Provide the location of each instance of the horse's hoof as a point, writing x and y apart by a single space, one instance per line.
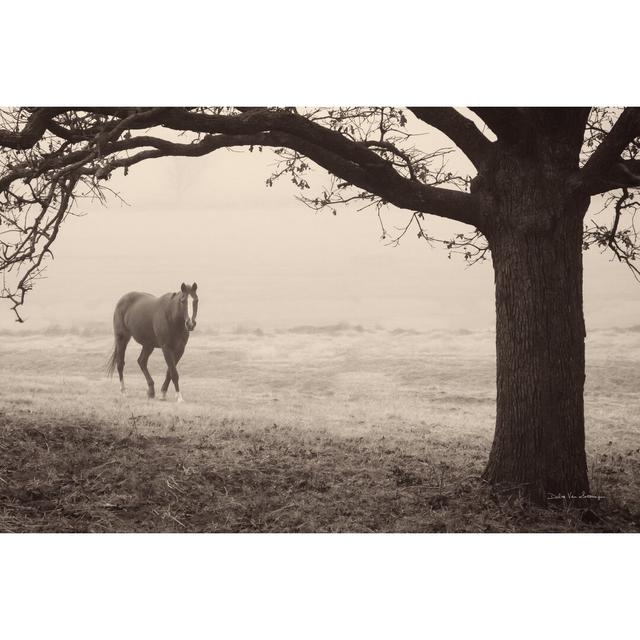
163 396
151 394
179 398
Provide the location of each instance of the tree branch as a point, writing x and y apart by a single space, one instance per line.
32 132
38 183
505 122
462 131
609 151
386 182
348 159
622 174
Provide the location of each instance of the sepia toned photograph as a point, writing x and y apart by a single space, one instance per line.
293 344
320 319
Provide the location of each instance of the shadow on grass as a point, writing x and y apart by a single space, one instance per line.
61 477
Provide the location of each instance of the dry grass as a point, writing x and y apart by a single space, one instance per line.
342 430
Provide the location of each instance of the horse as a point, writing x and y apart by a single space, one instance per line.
163 322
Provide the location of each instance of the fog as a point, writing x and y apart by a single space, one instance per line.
263 259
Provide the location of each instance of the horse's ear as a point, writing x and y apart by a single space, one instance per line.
183 287
194 286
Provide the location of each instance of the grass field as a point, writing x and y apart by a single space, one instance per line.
310 429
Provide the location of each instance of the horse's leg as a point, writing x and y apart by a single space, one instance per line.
143 358
167 379
165 385
170 357
122 340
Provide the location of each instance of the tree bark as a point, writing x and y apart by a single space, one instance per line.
536 247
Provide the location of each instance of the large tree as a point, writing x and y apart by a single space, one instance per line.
536 171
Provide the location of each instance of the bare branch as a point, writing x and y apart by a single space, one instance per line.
505 122
462 131
36 242
610 151
623 242
624 173
32 132
351 160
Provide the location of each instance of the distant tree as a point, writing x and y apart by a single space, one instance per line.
535 176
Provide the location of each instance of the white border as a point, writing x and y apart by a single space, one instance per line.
329 52
319 586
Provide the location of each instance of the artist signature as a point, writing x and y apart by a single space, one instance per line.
571 496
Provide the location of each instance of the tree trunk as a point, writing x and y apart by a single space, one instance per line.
536 247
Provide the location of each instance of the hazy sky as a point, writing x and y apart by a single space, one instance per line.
263 259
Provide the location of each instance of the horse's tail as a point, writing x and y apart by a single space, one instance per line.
111 363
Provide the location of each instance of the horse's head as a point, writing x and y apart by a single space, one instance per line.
188 300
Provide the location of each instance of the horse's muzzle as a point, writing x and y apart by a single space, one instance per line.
190 325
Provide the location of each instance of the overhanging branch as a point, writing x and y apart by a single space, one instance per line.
622 174
462 131
58 153
33 130
506 122
608 154
350 160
